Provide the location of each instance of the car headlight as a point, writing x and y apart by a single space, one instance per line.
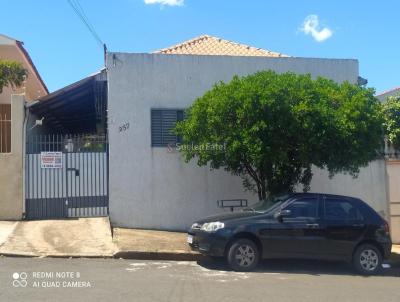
212 226
196 226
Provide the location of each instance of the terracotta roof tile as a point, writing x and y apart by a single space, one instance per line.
209 45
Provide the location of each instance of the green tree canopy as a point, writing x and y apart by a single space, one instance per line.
274 127
391 111
12 74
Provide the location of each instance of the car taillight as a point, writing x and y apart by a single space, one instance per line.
386 228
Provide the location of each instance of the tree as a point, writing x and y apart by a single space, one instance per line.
12 74
391 112
274 127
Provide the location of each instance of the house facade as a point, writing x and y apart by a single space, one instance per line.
12 116
150 184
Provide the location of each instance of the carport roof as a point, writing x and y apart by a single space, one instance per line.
70 109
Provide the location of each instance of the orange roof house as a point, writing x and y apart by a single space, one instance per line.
33 87
391 92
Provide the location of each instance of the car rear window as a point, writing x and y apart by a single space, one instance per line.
341 210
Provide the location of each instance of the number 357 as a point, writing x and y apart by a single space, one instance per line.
124 127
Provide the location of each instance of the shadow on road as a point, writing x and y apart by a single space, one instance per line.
295 266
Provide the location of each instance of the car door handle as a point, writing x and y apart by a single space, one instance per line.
358 225
312 225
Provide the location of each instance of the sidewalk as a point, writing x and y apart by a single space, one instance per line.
395 258
83 237
6 229
152 245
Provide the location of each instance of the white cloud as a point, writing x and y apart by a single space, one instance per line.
311 27
165 2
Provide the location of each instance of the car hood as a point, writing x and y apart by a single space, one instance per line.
228 216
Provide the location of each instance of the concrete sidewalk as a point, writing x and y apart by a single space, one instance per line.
152 245
6 229
395 258
81 237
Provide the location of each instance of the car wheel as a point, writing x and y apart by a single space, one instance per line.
367 259
243 255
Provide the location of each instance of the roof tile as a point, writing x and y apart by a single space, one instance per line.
209 45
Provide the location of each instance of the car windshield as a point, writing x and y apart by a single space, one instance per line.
269 205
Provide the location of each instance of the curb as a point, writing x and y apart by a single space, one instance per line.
394 259
158 256
137 255
22 255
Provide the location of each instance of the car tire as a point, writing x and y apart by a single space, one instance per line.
367 259
243 255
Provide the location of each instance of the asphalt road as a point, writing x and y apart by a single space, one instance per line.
51 279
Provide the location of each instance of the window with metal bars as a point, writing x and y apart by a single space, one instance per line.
163 122
5 128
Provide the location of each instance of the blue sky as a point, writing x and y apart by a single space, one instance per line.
64 51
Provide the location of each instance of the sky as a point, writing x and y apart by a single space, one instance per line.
64 51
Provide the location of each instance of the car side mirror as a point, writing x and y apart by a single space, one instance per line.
281 214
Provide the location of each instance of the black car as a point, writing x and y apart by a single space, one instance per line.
298 225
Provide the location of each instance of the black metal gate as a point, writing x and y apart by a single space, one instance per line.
66 176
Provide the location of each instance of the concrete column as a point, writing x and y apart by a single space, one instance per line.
17 123
11 174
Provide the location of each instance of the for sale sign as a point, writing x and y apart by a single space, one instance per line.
52 160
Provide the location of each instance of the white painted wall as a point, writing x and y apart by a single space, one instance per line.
152 188
370 185
393 176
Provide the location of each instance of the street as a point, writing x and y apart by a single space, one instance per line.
56 279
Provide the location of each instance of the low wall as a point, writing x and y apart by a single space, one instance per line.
393 176
11 176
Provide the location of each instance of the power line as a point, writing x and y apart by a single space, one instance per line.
79 11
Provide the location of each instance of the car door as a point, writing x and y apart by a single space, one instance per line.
344 225
298 235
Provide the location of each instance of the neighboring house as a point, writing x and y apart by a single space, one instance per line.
139 176
392 92
34 87
393 176
11 128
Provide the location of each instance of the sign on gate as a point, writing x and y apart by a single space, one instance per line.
52 160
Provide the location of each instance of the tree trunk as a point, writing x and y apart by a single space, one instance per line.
262 190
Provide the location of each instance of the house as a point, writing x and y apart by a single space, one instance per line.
150 185
391 92
34 87
12 114
102 145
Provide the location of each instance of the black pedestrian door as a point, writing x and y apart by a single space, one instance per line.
66 176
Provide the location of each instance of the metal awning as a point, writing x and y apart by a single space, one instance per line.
77 108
